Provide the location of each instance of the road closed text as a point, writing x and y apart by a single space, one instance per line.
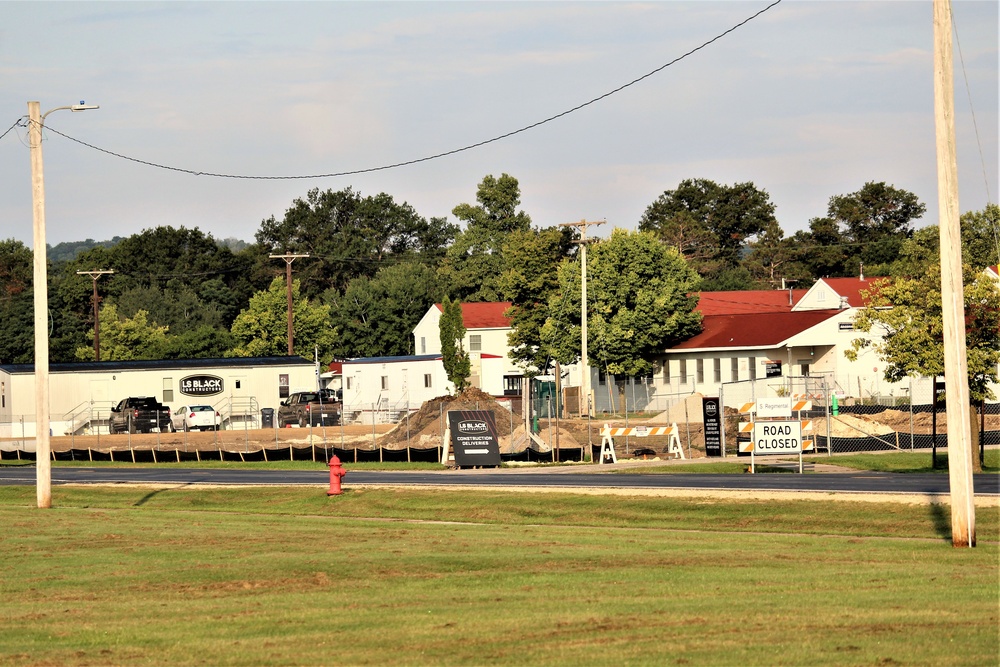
777 437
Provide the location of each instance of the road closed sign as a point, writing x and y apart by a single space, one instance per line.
777 437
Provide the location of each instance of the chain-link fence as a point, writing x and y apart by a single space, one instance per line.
910 419
906 419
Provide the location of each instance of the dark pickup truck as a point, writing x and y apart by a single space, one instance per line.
308 408
139 414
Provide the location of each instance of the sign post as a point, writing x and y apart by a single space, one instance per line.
711 410
474 438
776 437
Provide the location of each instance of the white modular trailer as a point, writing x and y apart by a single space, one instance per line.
82 394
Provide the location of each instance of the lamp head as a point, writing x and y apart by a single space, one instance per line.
82 106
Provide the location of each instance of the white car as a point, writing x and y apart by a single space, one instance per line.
194 417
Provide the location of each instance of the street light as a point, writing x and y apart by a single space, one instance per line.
43 463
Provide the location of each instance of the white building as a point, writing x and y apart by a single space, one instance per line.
81 394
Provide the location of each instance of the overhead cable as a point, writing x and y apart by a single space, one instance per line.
437 155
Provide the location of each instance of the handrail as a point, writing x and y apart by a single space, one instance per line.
86 413
245 408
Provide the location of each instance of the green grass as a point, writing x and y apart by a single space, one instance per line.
290 576
901 462
904 462
251 465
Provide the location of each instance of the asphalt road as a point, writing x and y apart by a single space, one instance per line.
860 482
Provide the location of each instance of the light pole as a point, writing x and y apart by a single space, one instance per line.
43 463
585 385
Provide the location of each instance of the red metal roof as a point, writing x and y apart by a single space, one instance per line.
750 301
487 315
753 330
852 288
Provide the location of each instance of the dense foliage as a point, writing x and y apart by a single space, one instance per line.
376 265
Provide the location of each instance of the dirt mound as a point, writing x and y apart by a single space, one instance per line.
429 422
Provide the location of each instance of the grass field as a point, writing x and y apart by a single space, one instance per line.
289 576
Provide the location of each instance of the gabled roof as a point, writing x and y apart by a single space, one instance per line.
836 293
750 301
752 330
486 315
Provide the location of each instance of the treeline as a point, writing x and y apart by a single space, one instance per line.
376 265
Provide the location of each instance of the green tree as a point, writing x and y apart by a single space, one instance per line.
376 316
455 359
348 235
980 244
125 338
823 249
474 263
640 302
773 260
716 222
16 303
877 220
530 280
261 329
981 236
905 316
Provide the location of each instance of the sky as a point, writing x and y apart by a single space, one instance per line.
808 100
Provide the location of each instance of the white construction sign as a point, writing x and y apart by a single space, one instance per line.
777 437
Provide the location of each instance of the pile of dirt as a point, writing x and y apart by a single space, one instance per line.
426 426
851 426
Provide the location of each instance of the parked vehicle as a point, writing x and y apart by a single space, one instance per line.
195 418
139 414
308 408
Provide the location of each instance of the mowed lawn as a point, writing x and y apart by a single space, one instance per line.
184 576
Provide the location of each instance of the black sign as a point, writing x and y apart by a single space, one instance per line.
474 438
201 385
711 411
772 369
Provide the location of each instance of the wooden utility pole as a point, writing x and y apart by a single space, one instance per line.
94 275
956 374
585 408
288 285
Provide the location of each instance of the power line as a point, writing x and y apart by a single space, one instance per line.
437 155
17 123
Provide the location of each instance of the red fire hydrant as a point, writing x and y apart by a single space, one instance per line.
336 472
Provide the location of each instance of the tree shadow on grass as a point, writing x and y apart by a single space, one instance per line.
152 494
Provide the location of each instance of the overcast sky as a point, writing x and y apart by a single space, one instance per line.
807 101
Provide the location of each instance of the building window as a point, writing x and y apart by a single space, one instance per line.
752 367
423 345
734 369
385 382
475 343
684 371
699 377
666 371
427 380
168 390
717 370
512 385
349 383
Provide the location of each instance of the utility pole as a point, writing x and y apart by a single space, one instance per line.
40 286
585 387
94 275
956 372
288 284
